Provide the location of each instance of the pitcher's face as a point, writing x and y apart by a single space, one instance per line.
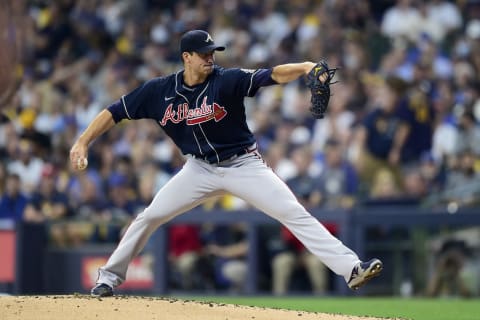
200 63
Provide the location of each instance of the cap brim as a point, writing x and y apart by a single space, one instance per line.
210 48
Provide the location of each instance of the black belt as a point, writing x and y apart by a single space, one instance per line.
250 149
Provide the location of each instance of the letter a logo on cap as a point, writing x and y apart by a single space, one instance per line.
209 38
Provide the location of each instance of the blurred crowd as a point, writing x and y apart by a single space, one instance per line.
401 129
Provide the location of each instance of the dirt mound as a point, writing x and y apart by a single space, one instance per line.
82 307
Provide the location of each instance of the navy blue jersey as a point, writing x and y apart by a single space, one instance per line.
207 121
381 127
419 115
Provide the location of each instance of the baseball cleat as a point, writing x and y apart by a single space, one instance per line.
101 290
363 272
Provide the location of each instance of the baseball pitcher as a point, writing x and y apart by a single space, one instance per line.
201 109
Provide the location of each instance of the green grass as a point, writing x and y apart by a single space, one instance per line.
415 308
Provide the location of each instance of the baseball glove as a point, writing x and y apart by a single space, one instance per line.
320 90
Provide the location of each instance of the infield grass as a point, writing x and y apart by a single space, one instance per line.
412 308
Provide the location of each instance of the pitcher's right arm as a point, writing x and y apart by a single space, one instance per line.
102 123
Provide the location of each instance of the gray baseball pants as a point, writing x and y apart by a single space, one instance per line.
246 177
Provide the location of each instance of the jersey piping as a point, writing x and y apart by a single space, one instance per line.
176 90
200 125
251 83
125 107
216 153
198 143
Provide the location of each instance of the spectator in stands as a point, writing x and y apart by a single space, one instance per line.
382 135
48 205
12 201
447 16
468 134
87 223
338 181
304 183
464 76
415 186
454 274
352 15
445 131
385 191
277 159
439 20
86 196
291 257
384 187
184 252
433 171
417 116
401 21
226 247
27 166
121 206
462 180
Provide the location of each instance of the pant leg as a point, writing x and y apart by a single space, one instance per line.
257 184
188 188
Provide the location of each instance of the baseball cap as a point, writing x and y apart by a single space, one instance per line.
198 41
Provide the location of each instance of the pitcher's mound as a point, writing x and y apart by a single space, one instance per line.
82 307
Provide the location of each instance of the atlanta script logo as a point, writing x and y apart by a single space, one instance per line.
205 113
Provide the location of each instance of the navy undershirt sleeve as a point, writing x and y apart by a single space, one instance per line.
260 78
263 77
139 103
245 82
117 110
